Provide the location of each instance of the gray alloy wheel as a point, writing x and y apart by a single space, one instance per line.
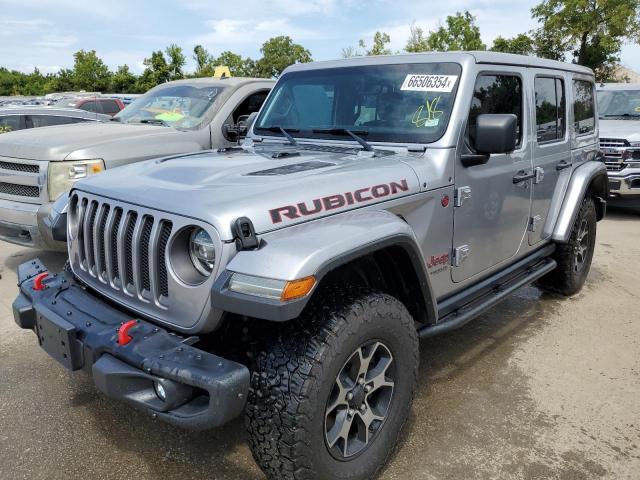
581 246
360 400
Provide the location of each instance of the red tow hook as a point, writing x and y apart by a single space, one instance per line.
37 281
123 332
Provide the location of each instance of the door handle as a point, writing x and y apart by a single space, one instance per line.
523 176
563 166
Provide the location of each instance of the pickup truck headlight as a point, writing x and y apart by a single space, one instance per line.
62 175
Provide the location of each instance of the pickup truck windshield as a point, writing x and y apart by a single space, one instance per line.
401 103
179 106
619 103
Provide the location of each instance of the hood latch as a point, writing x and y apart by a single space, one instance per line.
245 234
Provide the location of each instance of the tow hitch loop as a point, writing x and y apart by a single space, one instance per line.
37 281
123 332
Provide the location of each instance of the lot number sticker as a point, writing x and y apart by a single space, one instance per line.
429 83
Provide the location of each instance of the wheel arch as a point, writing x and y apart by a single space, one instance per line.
589 179
378 243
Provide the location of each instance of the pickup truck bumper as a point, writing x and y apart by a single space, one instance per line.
625 188
23 224
81 331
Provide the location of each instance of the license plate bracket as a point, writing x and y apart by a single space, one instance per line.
58 338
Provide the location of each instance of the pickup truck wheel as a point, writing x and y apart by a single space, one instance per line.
574 257
331 392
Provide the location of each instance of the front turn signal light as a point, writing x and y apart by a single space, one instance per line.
297 288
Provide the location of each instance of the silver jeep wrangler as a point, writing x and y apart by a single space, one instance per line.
377 201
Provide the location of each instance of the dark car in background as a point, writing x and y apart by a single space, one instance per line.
105 105
19 118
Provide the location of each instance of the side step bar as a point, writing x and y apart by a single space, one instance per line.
466 312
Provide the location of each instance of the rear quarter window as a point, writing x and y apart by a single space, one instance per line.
584 110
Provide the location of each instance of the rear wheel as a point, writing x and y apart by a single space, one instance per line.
331 393
574 258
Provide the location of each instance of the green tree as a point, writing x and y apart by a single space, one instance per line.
204 61
123 81
238 66
176 62
460 33
521 44
90 72
593 30
278 53
417 40
156 72
379 46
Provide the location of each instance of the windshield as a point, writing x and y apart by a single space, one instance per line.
619 103
180 106
404 103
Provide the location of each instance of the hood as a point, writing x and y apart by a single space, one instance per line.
60 142
273 192
623 129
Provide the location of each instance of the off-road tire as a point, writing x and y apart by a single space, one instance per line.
568 279
295 373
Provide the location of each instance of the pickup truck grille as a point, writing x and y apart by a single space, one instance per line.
612 149
123 248
18 190
22 180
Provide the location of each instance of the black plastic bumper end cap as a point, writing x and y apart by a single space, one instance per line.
23 312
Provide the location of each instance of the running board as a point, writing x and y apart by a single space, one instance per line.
467 312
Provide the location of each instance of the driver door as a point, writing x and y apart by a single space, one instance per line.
492 210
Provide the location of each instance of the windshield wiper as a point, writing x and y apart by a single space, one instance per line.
284 131
344 131
154 121
115 119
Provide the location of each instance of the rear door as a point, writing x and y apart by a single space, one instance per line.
492 212
551 147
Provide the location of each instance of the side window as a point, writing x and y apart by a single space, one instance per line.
550 109
9 123
110 107
496 93
90 106
584 111
48 120
250 105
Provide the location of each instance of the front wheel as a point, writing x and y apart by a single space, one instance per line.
330 394
574 258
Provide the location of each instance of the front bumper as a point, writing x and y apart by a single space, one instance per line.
24 224
80 330
625 188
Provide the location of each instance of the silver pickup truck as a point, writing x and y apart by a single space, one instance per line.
38 166
619 110
376 201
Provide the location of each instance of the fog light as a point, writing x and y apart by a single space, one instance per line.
160 391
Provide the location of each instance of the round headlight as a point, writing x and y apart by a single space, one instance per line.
202 251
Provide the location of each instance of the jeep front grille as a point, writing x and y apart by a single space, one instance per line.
124 249
125 252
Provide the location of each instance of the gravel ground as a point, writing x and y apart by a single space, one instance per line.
539 387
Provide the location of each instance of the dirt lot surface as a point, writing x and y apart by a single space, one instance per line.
540 387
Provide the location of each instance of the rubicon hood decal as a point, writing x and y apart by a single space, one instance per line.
339 200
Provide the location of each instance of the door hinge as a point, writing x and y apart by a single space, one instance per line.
461 195
534 222
460 255
538 175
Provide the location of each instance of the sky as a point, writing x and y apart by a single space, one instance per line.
46 33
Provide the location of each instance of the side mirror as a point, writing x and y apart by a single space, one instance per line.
251 119
235 133
496 133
